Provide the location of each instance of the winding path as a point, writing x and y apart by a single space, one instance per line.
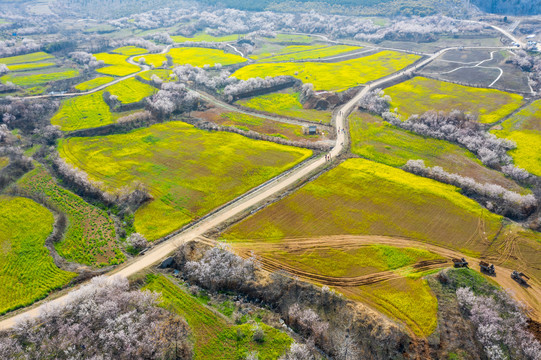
244 203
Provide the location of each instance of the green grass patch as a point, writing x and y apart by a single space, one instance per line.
83 112
293 53
195 56
188 171
205 37
376 140
27 271
420 94
290 38
20 59
366 198
214 335
130 50
286 104
4 161
30 66
118 64
131 90
524 129
333 76
94 83
163 74
22 79
90 237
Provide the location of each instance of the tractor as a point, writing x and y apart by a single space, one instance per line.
519 277
459 263
487 269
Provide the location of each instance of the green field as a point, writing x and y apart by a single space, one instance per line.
200 37
215 336
94 83
524 129
293 53
188 171
161 73
195 56
131 90
4 161
286 104
23 79
30 66
361 197
118 64
376 140
20 59
130 50
333 76
267 50
83 112
420 94
90 237
27 271
263 126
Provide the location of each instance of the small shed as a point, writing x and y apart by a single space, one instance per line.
312 130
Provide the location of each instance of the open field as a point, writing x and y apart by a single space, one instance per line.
27 271
28 58
130 50
118 66
25 79
131 90
194 56
524 129
4 161
376 140
367 198
30 66
90 236
200 37
419 95
216 337
94 83
266 50
443 42
334 76
292 53
161 73
286 104
263 126
83 112
188 171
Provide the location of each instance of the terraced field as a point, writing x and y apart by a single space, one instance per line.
4 161
285 104
290 38
118 65
214 334
266 50
83 112
189 171
194 56
524 128
31 66
161 73
94 83
32 79
27 271
27 58
299 52
129 50
333 76
420 94
90 236
131 90
376 140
